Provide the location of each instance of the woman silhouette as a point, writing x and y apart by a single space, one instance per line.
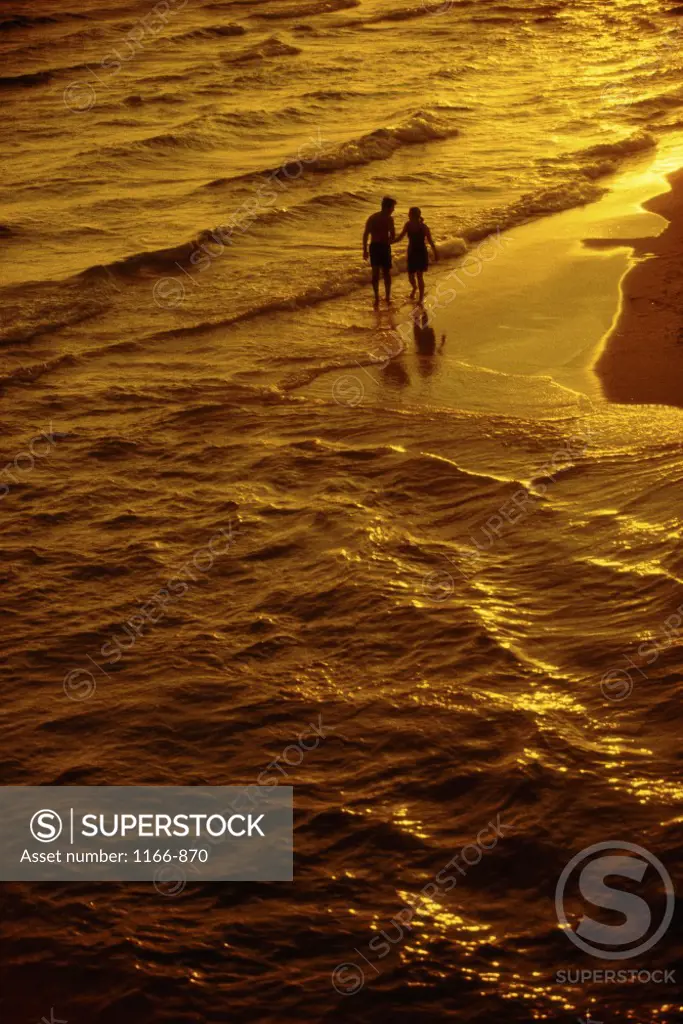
418 260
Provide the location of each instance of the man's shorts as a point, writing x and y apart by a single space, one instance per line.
380 255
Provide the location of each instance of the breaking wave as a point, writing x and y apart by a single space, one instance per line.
380 144
639 142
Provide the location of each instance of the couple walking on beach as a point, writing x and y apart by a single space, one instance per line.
380 229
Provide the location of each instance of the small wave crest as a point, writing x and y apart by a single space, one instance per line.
42 308
25 81
426 9
138 100
29 374
421 10
605 157
422 127
305 10
265 50
211 32
639 142
183 137
332 94
20 21
155 261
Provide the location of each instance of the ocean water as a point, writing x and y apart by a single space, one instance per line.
466 566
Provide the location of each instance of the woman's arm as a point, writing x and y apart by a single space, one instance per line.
403 232
429 238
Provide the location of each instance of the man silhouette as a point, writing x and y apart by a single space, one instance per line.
379 228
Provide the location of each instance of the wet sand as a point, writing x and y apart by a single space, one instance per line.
518 342
642 360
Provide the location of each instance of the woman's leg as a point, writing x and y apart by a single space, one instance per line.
421 285
413 284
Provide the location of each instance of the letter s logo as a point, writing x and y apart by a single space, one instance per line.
600 939
594 889
46 826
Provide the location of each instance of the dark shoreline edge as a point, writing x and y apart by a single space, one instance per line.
642 359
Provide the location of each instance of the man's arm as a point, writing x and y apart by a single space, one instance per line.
392 231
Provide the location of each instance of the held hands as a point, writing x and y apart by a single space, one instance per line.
365 255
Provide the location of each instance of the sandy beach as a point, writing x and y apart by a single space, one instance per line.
642 361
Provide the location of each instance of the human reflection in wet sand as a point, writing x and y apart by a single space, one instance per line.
425 341
390 352
424 335
395 374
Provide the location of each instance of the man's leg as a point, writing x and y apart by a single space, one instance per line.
375 284
387 283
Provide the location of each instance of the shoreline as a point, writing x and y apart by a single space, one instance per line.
526 327
641 360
